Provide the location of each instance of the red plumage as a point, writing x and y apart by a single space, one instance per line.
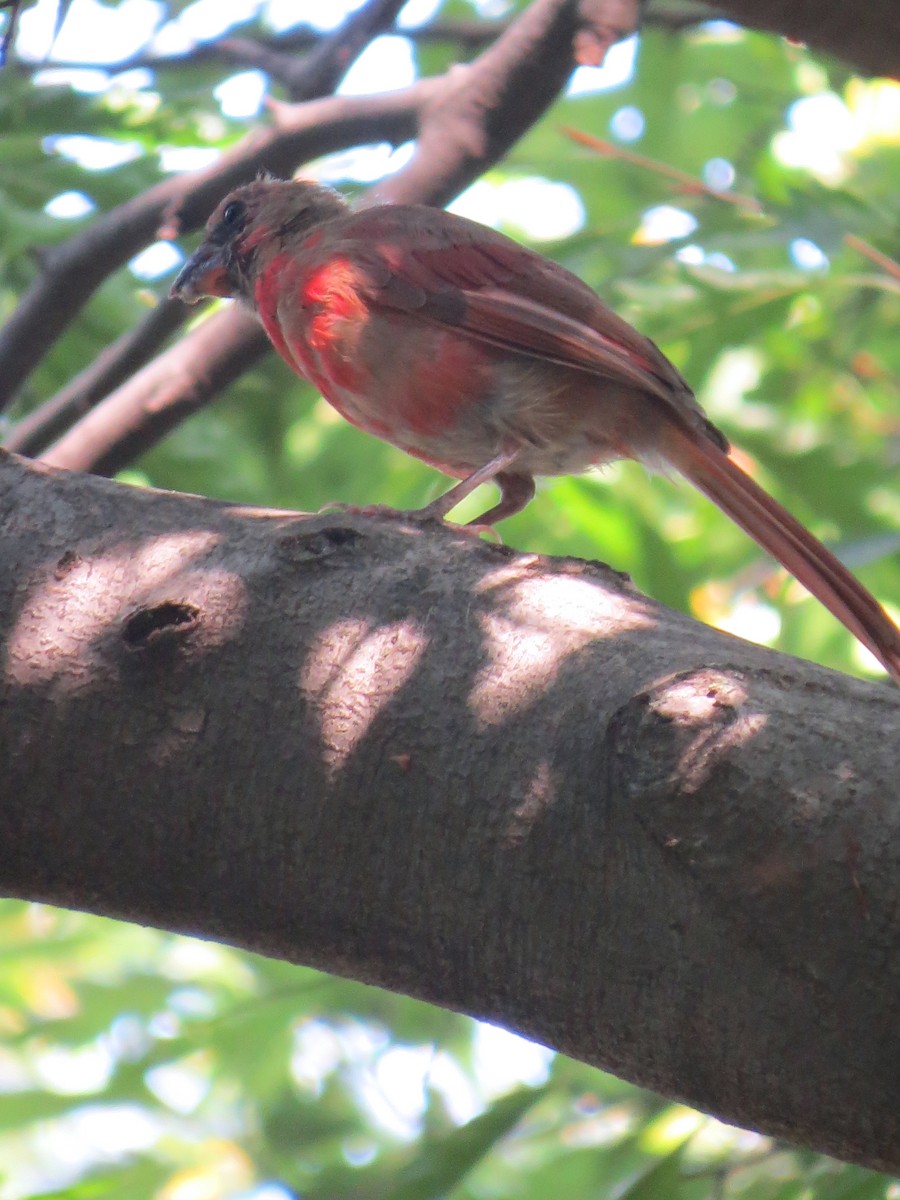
486 360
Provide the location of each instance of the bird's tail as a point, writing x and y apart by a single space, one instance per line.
781 535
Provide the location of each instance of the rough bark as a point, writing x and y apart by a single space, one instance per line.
865 35
511 786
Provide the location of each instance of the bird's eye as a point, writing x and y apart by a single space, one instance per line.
233 213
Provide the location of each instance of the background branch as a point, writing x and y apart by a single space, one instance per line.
150 404
108 371
255 49
320 72
70 273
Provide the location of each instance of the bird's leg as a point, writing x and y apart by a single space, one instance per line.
495 469
515 492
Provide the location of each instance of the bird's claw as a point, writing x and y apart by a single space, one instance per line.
476 529
421 516
364 510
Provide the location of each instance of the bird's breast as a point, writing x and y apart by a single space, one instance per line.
414 383
427 387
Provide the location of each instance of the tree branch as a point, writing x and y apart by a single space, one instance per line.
72 272
108 370
256 51
517 788
320 72
866 36
164 393
485 107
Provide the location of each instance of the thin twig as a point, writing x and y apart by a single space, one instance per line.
13 9
887 264
693 186
685 182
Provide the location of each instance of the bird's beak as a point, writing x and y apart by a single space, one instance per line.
204 274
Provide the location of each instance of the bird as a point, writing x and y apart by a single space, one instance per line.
486 360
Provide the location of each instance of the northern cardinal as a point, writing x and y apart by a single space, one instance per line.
485 360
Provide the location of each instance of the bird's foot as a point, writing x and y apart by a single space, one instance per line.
430 514
364 510
476 529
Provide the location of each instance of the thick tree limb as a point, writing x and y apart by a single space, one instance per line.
511 786
866 36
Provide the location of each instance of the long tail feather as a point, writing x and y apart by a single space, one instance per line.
773 527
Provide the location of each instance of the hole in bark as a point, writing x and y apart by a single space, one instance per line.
301 545
148 624
68 562
340 535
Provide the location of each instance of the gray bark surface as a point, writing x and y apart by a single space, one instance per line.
509 785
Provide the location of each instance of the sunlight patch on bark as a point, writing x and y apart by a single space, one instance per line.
71 612
712 702
352 675
541 792
574 612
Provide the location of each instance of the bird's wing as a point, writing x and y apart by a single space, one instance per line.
455 272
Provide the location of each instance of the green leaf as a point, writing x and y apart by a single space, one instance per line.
442 1164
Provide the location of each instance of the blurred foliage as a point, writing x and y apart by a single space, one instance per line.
141 1064
137 1064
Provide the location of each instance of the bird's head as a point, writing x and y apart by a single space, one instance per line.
250 226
